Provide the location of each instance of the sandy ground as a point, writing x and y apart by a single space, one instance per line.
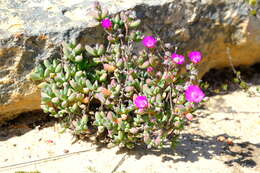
234 115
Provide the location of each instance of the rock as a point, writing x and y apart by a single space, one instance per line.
221 138
66 151
33 30
229 141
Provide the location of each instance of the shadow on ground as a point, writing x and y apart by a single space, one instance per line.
192 147
25 123
217 78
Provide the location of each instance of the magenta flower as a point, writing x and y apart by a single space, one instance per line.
106 23
149 69
195 57
149 41
141 102
178 59
194 94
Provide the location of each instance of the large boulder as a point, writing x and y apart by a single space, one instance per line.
33 30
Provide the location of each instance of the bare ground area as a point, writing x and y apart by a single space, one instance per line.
224 137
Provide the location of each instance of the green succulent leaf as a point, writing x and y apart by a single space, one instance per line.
135 23
36 76
90 50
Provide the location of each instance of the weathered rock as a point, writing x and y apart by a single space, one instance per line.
33 30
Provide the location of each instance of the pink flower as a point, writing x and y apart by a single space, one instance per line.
195 57
106 23
141 102
178 59
189 116
149 69
194 94
149 41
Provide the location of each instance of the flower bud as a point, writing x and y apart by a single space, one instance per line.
104 13
97 5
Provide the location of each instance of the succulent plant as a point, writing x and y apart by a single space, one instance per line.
129 97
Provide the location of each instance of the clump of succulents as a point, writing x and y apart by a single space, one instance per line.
113 90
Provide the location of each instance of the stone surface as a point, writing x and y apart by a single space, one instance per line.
33 30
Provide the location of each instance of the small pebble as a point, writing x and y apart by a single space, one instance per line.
66 151
49 141
229 141
221 138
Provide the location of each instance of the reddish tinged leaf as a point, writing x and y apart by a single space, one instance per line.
85 100
109 68
118 120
